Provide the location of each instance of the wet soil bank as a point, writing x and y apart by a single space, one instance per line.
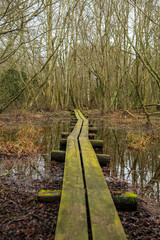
22 217
144 223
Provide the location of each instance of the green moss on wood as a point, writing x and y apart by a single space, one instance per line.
126 195
125 201
131 195
49 195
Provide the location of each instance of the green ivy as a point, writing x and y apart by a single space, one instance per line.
11 81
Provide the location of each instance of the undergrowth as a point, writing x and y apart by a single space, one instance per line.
20 142
139 141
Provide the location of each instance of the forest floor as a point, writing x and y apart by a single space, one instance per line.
23 217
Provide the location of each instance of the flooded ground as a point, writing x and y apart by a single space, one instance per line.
135 155
136 162
39 165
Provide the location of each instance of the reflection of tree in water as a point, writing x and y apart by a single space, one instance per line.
36 166
120 153
140 167
52 136
154 181
114 147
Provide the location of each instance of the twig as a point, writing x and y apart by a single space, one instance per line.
154 113
131 114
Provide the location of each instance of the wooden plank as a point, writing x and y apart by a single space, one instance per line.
105 222
59 156
72 220
72 217
95 143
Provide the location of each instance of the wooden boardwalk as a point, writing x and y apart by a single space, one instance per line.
86 209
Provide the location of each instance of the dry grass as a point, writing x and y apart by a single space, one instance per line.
22 142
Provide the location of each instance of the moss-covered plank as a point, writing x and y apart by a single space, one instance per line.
72 220
72 217
105 222
72 171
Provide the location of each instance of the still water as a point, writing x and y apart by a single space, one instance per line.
139 167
